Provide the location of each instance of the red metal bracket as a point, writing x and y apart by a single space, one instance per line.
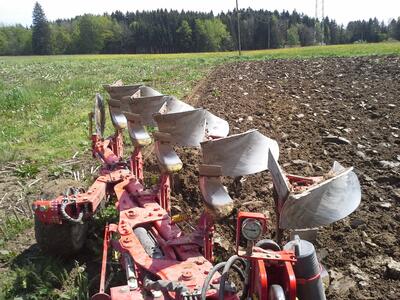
137 163
165 192
117 144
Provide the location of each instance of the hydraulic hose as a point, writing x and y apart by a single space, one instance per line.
210 275
217 268
224 276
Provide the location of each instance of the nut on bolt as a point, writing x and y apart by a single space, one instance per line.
126 240
130 214
187 275
124 229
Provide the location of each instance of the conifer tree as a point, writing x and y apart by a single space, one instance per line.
41 39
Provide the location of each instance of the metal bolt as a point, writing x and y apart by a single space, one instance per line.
131 214
187 275
127 240
160 214
199 262
124 229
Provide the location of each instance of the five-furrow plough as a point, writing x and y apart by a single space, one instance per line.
160 261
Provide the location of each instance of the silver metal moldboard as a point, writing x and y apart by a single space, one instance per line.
325 203
240 154
146 107
186 128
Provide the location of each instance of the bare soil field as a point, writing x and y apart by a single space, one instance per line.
298 103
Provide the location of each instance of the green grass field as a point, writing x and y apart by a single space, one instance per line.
44 101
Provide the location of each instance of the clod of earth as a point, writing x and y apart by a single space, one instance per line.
336 140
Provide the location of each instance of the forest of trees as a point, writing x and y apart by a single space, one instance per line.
163 31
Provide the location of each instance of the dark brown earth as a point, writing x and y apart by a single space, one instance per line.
296 102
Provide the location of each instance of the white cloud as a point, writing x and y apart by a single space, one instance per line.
20 11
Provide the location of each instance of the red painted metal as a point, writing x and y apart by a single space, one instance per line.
206 229
48 211
106 242
242 215
165 192
101 294
259 280
267 267
137 163
138 206
117 144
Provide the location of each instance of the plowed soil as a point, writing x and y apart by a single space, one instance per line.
298 102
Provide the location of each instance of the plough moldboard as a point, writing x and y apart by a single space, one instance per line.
160 261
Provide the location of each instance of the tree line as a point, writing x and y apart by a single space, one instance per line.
163 31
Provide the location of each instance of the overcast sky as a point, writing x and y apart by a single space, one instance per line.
343 11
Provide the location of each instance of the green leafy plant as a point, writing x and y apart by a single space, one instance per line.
47 278
13 226
27 170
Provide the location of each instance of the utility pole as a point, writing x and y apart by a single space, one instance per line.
323 22
269 32
238 26
316 20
